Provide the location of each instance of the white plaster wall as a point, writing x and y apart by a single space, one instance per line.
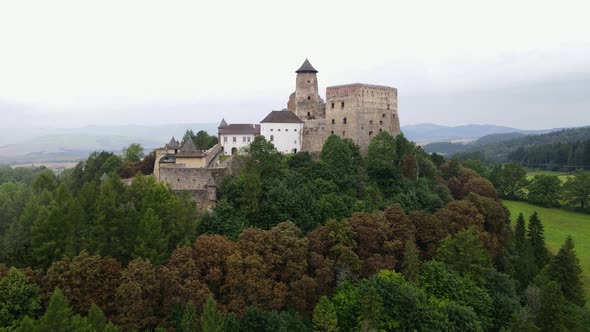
286 136
239 143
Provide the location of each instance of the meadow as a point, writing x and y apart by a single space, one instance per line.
563 176
558 225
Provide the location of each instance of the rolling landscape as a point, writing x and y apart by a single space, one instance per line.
309 166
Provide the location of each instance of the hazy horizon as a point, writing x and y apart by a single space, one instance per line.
68 65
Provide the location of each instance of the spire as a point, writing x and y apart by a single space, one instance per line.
223 124
173 144
306 67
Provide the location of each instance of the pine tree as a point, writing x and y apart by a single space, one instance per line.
411 262
96 318
324 316
151 242
58 315
525 266
189 322
519 231
212 319
27 325
231 323
536 237
552 312
565 270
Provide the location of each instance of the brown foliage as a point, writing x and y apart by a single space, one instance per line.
467 181
210 253
429 232
137 296
459 215
84 280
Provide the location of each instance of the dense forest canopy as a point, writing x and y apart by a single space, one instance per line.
394 240
565 150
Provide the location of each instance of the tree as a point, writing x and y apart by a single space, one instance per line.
18 298
58 314
96 318
566 271
324 316
552 313
151 242
411 262
190 321
466 255
510 180
133 152
536 237
577 189
519 231
211 319
545 190
188 134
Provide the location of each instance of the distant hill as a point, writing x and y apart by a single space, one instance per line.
428 133
19 146
563 149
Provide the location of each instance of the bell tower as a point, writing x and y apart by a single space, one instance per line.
306 101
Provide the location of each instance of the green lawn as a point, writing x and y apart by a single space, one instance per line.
563 176
558 225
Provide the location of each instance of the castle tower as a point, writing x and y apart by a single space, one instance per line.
305 102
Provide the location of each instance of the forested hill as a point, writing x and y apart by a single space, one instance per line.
567 148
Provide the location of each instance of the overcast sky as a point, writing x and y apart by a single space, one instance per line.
520 63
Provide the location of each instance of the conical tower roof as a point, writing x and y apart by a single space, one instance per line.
173 144
223 124
189 149
306 67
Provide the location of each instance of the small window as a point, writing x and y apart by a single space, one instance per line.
272 138
295 129
383 116
344 133
234 139
388 107
380 130
332 105
332 132
308 97
370 133
308 113
244 139
344 121
286 129
333 121
342 105
380 122
295 142
279 129
371 122
308 81
393 115
225 139
249 139
271 129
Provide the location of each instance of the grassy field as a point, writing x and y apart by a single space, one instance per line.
558 225
563 176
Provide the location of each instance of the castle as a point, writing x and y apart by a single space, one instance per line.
355 111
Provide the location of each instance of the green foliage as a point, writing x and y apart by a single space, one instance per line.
519 231
577 189
212 319
545 190
19 174
204 141
510 180
466 255
58 316
190 321
133 152
564 269
18 298
324 316
411 262
151 243
536 237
